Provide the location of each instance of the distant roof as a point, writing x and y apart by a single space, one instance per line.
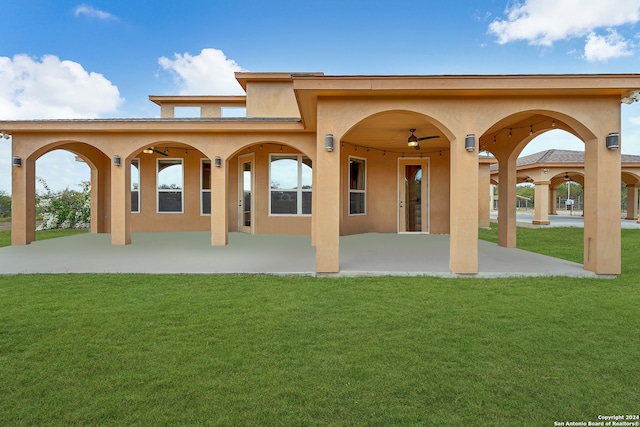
561 156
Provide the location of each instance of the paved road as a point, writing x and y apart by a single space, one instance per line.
524 219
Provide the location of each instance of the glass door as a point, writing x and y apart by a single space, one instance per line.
245 194
413 195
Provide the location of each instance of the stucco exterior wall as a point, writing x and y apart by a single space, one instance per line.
149 219
271 99
382 192
264 222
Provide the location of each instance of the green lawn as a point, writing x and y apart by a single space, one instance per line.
5 235
264 350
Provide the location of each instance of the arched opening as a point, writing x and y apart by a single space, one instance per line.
71 186
170 188
395 175
63 185
508 140
629 189
270 187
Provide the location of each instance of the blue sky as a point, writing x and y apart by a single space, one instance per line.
73 59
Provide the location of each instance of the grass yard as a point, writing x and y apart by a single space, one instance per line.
5 235
263 350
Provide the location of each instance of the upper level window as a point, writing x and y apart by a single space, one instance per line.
357 186
135 186
291 184
170 180
181 112
234 111
205 187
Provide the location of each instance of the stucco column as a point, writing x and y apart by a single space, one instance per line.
96 218
23 203
463 250
507 203
219 204
632 202
314 179
100 197
121 203
326 205
484 187
602 238
553 201
541 208
491 194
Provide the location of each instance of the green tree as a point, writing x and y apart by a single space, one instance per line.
5 204
526 190
576 190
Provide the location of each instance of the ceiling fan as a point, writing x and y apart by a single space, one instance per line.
414 141
152 150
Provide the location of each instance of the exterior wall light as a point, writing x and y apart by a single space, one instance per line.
217 161
116 160
328 142
470 142
17 161
613 141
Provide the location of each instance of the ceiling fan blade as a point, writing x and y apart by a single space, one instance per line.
160 152
424 138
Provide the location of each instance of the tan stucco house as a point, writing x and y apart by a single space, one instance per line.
328 156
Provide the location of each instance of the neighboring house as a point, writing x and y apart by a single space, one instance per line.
328 156
549 169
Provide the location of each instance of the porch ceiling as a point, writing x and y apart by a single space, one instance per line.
390 131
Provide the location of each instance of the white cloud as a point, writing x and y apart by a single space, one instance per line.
602 48
92 12
53 89
208 73
543 22
50 89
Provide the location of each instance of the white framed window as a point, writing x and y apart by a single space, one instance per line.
290 178
135 186
357 186
205 187
169 181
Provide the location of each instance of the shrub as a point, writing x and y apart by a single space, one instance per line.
5 205
65 209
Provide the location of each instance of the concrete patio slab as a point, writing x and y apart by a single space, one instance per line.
369 254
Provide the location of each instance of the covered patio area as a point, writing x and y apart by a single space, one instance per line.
370 254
